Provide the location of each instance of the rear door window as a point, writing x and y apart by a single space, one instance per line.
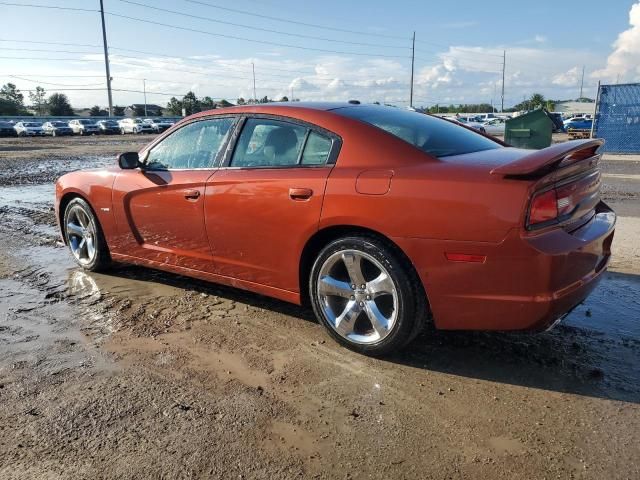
268 143
316 150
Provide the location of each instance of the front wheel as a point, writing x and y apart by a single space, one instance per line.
367 295
84 236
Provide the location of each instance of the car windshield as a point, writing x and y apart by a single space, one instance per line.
58 124
6 124
110 123
137 120
432 135
32 124
86 122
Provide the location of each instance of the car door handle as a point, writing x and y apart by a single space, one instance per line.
191 194
300 193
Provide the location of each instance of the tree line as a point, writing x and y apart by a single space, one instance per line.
192 104
56 104
12 102
535 101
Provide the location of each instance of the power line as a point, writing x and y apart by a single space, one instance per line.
59 76
51 43
51 59
231 68
48 6
279 19
278 32
233 37
47 50
55 84
261 42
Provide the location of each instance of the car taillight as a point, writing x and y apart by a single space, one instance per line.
553 204
544 207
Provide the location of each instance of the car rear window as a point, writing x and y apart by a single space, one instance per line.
432 135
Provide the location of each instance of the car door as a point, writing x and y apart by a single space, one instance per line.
159 208
265 200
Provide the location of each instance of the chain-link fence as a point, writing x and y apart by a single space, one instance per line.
618 118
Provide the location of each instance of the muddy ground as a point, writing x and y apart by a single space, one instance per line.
141 374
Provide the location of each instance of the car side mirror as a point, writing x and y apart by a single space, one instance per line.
129 160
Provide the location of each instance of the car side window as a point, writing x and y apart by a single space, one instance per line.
316 150
195 145
268 143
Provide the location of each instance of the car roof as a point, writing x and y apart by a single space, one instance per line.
275 107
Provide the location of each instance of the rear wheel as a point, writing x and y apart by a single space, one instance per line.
366 295
84 236
122 131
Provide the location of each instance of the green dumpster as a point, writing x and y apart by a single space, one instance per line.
531 130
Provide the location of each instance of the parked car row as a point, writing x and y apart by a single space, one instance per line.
85 126
485 123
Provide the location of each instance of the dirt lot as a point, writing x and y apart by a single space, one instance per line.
140 374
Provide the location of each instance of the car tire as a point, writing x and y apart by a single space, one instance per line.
122 131
84 237
392 295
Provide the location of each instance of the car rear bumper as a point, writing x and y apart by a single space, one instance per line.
524 282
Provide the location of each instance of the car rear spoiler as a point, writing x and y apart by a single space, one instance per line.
547 159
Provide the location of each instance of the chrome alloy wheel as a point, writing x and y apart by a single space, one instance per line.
81 235
358 296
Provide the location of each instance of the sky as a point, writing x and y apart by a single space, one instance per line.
328 50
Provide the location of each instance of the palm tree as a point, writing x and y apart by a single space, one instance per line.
537 100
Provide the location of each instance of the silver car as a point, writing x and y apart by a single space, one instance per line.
31 129
84 126
57 128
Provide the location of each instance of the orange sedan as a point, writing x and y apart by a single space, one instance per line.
381 219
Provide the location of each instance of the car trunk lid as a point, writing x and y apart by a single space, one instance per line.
565 183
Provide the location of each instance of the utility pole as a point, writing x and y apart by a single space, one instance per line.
595 113
106 58
413 59
144 89
253 68
581 82
504 63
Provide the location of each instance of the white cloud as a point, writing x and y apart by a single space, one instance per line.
625 59
461 24
460 73
568 78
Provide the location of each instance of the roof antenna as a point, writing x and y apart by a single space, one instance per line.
354 102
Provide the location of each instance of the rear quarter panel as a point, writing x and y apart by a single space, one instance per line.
427 197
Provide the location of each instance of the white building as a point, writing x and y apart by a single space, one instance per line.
575 107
